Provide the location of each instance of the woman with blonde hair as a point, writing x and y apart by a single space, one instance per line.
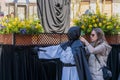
97 48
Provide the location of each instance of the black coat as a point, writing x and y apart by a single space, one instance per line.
78 51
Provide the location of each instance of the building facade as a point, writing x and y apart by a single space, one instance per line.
78 7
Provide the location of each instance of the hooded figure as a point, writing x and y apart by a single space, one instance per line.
78 52
71 54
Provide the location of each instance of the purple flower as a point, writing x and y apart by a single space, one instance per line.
1 27
7 21
23 31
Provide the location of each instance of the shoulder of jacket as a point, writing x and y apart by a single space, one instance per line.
77 43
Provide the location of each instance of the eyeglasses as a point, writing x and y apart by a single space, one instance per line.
92 35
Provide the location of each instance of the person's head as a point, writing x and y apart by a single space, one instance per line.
74 33
97 35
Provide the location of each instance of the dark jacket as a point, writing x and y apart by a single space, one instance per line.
78 51
80 59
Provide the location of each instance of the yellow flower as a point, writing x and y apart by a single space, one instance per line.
75 20
93 17
9 25
5 18
14 23
85 20
30 21
117 27
97 20
27 25
4 23
108 23
104 21
113 19
100 24
22 22
93 21
82 26
20 25
90 26
108 27
95 25
37 26
16 19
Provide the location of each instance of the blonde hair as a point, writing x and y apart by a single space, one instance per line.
101 36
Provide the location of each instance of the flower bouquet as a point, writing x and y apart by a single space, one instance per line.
15 25
21 32
110 25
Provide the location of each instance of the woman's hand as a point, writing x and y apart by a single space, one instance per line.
84 41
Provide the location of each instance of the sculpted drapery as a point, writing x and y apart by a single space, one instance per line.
54 15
